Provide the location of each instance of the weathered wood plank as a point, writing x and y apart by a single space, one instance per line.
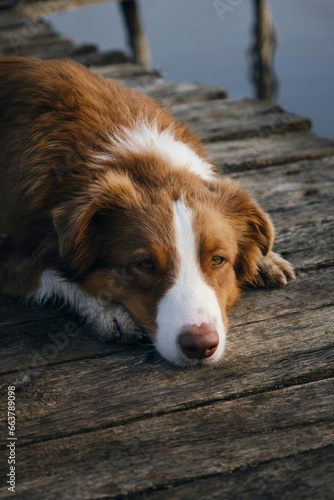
42 34
299 193
27 37
195 112
211 129
291 184
234 119
260 152
40 336
314 210
170 93
305 476
308 246
38 45
259 357
215 120
108 57
124 70
298 296
35 8
83 52
208 440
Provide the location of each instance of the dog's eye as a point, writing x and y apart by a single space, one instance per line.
217 260
146 264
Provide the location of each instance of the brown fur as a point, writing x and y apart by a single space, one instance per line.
60 211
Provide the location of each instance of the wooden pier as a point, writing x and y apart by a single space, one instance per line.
99 420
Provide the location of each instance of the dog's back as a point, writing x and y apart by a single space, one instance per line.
52 115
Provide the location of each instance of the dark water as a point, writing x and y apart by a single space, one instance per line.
190 41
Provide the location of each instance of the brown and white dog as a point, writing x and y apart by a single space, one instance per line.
109 204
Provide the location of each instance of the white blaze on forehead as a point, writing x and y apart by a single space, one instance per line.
147 138
190 301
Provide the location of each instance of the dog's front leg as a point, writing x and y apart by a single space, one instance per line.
108 320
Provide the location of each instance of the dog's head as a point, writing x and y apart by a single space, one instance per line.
175 256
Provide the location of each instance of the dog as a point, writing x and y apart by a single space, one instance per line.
111 205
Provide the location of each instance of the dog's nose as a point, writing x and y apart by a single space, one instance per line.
198 342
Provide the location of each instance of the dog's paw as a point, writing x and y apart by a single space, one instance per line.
274 271
116 323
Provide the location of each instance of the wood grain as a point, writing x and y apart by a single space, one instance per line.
260 356
209 440
256 153
299 477
170 93
214 129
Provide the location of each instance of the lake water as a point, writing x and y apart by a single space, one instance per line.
189 40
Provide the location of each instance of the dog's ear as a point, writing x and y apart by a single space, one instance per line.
254 229
72 220
75 220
